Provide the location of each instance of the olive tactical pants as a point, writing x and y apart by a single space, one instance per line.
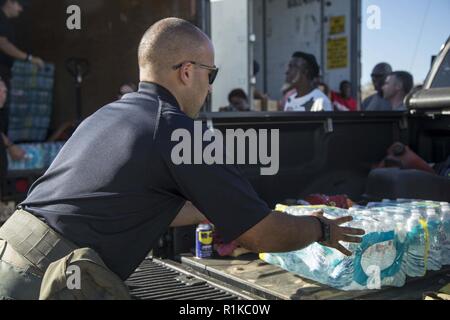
35 262
17 282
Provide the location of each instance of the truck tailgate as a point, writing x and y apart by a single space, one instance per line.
271 282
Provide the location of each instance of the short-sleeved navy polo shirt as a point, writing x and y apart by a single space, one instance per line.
115 189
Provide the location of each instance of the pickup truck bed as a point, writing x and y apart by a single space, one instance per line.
267 281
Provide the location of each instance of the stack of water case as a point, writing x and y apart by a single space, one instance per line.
31 99
404 238
30 102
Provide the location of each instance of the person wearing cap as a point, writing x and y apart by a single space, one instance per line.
377 102
301 74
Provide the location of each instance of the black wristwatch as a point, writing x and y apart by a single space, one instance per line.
29 58
326 231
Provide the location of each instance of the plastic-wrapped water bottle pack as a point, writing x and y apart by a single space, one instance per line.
404 238
38 156
30 101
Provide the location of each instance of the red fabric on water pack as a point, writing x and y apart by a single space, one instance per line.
339 201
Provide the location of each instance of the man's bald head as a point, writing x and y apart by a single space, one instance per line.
169 42
177 55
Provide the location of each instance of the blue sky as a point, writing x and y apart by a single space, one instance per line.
402 41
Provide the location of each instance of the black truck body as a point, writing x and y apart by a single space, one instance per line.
335 153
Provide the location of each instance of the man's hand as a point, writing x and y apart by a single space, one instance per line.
338 233
16 152
38 61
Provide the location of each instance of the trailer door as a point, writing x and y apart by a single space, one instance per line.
230 35
342 43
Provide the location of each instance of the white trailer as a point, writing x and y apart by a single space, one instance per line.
269 31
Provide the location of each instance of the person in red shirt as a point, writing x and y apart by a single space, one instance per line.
344 101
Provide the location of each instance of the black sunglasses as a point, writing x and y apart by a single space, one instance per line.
212 75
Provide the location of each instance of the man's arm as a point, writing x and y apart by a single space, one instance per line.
14 151
11 50
280 232
189 215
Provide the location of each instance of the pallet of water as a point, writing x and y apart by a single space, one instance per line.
404 238
38 156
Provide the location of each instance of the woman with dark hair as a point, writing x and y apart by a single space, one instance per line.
238 101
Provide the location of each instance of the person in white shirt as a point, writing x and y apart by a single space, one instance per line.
301 73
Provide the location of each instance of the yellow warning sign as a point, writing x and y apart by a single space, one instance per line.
337 25
337 53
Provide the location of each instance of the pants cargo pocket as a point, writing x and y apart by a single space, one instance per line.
17 284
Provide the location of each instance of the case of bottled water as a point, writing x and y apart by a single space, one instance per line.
38 156
403 238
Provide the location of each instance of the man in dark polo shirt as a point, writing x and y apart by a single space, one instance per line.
115 189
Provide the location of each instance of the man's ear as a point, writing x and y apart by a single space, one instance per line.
185 73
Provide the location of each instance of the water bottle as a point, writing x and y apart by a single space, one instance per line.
430 203
415 213
415 257
418 206
386 250
363 213
444 207
388 202
378 261
343 273
445 236
382 217
434 230
364 261
404 212
399 267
